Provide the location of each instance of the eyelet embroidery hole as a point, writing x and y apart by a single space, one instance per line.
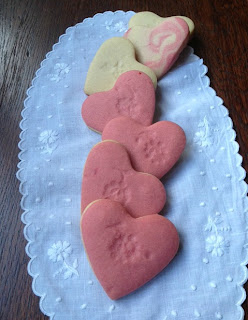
197 314
218 315
111 308
174 313
213 284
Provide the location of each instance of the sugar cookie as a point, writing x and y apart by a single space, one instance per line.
108 174
159 47
153 149
150 19
133 95
114 57
124 252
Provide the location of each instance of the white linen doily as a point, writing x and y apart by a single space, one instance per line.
207 195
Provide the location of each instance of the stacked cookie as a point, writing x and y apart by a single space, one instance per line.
126 240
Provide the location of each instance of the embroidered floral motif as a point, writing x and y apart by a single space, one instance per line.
118 27
59 252
204 136
212 222
60 71
48 140
108 24
216 244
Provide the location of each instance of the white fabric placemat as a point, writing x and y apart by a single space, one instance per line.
207 195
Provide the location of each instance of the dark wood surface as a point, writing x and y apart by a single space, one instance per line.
28 29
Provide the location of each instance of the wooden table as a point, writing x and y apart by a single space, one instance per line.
28 30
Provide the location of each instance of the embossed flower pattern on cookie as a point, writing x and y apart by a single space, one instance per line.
123 246
60 71
151 146
127 104
116 190
59 252
48 140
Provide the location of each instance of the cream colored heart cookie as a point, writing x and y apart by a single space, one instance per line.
150 19
114 57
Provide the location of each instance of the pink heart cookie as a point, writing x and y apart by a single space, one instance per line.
108 174
153 149
124 252
158 48
133 96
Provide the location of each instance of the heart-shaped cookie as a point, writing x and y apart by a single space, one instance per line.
133 96
108 174
114 57
158 48
152 149
150 19
124 252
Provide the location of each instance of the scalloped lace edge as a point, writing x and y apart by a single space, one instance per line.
21 165
241 180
